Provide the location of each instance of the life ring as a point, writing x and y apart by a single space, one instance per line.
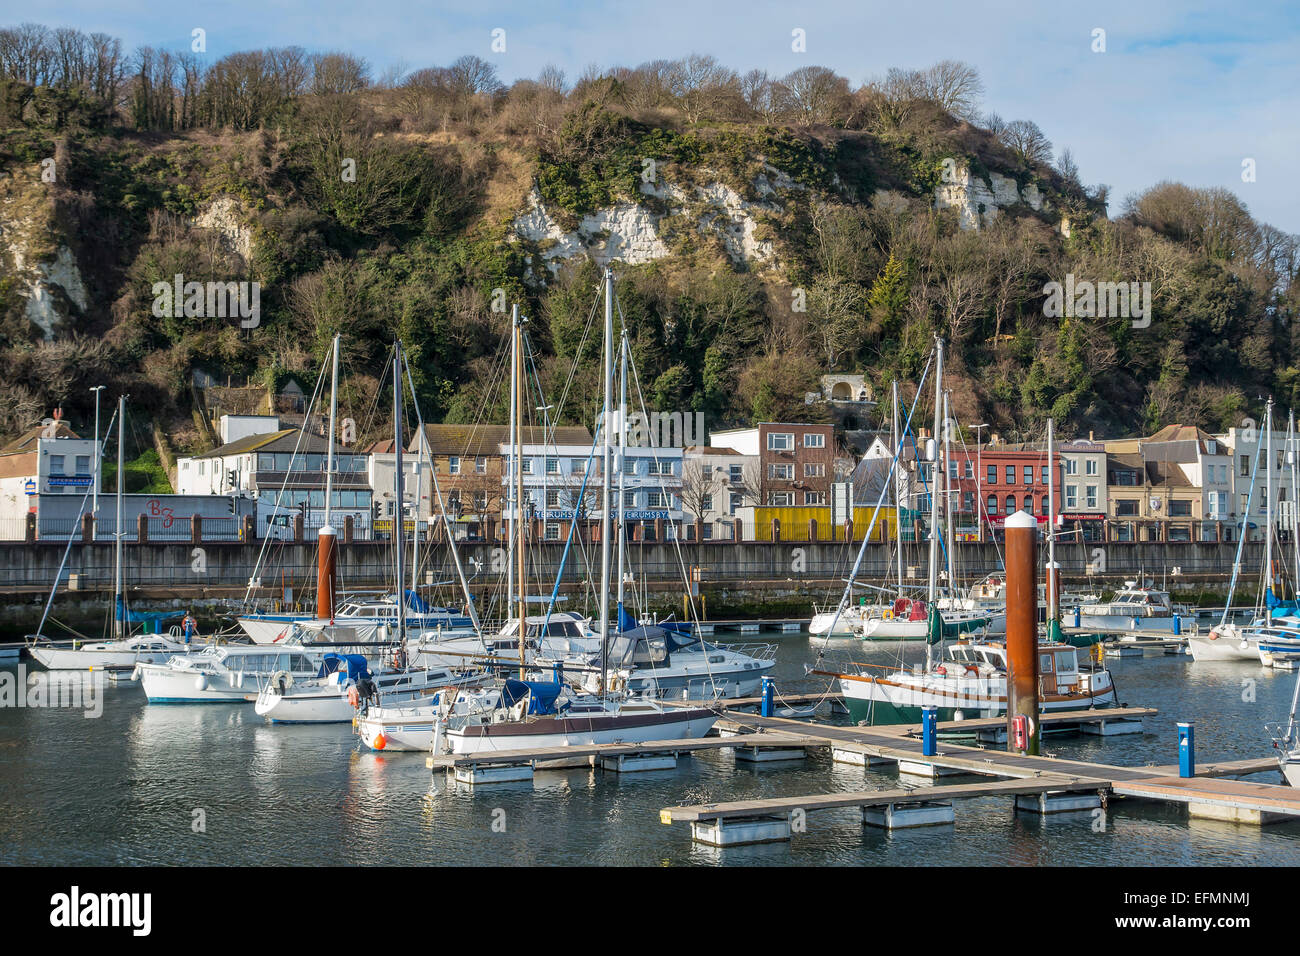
888 614
972 669
281 680
941 670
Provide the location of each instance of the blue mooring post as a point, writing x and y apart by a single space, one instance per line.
1186 750
1076 617
1178 624
766 710
929 716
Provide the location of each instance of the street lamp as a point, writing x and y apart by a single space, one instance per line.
94 507
979 476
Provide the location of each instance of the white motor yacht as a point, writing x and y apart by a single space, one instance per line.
225 673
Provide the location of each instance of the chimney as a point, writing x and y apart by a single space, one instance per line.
1089 434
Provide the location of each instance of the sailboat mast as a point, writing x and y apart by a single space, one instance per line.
399 518
621 463
899 498
334 409
1295 505
932 589
119 599
606 483
1268 501
947 491
519 485
326 540
1053 572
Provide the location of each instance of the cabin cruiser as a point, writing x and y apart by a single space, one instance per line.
970 682
273 628
846 623
666 662
1133 609
342 684
568 633
225 673
96 655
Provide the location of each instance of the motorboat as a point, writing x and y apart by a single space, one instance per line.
420 616
225 673
1133 609
342 685
667 663
907 619
99 655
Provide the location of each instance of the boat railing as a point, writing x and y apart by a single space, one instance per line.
761 652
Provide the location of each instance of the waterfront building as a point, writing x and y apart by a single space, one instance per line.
717 483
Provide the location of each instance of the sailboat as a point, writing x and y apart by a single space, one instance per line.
522 713
1228 641
122 650
968 679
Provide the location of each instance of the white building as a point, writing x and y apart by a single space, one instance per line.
46 460
1242 447
716 483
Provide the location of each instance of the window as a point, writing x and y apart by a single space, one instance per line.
552 531
83 464
1011 504
969 470
453 465
201 464
1029 474
1011 474
552 498
737 501
1218 502
1029 504
1090 467
552 466
578 466
707 531
1071 466
629 466
656 499
780 472
780 441
706 472
1126 477
1126 507
814 497
480 465
706 502
528 466
952 469
993 474
737 474
1223 474
813 440
781 500
1180 509
968 501
1071 496
1245 465
1043 477
1042 505
56 464
661 466
992 504
814 469
629 499
1091 498
1245 504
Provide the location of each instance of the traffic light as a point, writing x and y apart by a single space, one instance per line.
232 479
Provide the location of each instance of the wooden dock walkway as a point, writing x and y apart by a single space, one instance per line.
536 756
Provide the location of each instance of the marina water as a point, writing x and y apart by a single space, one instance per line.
215 784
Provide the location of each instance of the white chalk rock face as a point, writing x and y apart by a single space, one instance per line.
978 202
46 273
629 232
226 216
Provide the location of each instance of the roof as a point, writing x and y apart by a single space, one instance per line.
487 439
27 440
712 450
1181 433
285 440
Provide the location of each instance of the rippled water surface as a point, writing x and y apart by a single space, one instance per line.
124 788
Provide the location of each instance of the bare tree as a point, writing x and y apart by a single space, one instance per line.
1026 140
813 94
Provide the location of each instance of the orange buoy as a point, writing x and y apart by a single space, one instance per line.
380 742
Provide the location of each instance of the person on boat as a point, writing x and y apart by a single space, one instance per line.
189 626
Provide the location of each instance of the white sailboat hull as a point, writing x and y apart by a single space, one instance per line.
580 731
1210 647
67 659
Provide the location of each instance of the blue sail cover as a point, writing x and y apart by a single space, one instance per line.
416 603
146 617
626 621
541 694
354 665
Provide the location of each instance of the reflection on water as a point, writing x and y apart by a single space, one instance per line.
124 788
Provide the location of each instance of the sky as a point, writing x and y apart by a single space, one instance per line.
1183 91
